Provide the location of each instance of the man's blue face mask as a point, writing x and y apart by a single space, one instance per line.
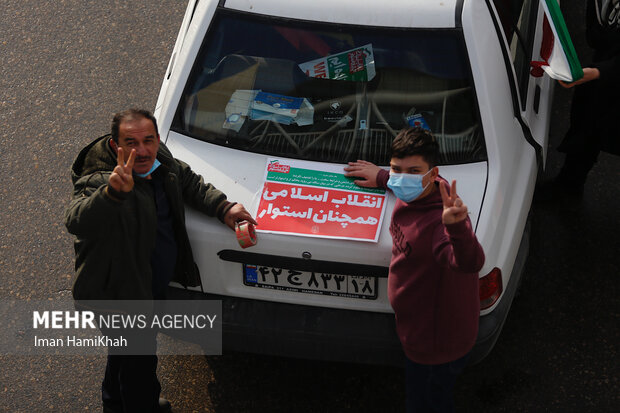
407 187
155 166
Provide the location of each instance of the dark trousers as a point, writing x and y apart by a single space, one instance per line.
594 109
429 388
130 383
576 167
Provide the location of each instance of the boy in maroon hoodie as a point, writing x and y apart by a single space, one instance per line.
433 278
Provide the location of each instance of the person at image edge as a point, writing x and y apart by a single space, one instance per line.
128 217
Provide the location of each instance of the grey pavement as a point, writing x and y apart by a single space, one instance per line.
68 65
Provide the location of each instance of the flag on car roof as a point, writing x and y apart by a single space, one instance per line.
560 60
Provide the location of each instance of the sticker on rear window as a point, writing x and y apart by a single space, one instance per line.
357 65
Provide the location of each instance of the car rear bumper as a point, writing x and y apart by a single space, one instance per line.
309 332
491 324
301 331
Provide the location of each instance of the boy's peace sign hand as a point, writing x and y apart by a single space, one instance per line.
453 208
121 179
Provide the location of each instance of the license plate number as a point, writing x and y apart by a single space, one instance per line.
350 286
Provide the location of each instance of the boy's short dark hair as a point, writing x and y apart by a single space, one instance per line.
128 115
416 141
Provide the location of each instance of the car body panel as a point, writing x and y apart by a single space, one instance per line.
243 184
498 191
428 13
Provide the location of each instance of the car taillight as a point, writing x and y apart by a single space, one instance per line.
490 288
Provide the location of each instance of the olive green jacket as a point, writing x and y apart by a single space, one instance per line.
115 237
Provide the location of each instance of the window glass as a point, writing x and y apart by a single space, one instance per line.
331 93
518 21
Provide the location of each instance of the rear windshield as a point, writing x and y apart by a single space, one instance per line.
330 93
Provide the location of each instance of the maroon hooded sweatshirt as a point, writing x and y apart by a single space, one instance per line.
433 280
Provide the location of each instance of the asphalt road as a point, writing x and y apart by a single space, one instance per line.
68 65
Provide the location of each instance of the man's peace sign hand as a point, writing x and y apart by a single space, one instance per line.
121 179
453 208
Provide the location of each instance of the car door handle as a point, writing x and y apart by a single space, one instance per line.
536 104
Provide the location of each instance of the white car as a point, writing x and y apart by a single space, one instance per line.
315 84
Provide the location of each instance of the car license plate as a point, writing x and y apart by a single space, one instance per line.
350 286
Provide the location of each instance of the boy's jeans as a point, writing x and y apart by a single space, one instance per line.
429 388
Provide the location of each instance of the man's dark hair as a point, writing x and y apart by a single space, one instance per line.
129 115
416 141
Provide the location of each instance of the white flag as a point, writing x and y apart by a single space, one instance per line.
560 60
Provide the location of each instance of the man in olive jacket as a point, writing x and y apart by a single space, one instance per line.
128 217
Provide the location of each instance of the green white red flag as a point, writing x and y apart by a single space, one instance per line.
559 59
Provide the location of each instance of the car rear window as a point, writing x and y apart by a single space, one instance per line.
330 93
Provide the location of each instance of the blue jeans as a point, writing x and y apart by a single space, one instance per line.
429 388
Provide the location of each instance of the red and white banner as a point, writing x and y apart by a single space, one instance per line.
298 200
